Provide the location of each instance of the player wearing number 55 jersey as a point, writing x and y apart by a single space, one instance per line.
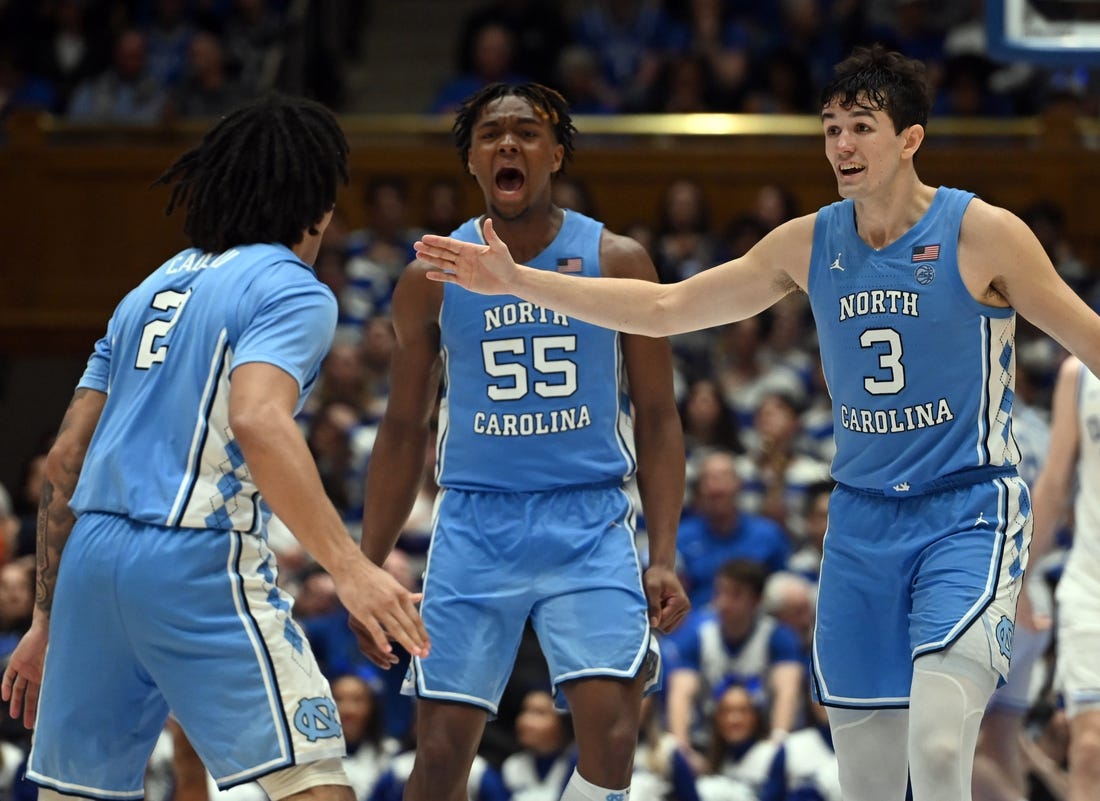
540 418
166 600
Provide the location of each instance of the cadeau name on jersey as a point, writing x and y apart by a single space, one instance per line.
898 419
550 421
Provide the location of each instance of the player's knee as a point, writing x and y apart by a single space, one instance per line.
937 750
438 755
622 740
324 780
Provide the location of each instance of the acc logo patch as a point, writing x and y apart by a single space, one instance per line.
925 274
1005 630
316 718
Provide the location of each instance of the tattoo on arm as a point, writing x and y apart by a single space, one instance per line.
55 518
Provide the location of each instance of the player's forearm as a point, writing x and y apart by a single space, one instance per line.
393 482
1049 501
63 465
623 304
287 477
55 524
661 486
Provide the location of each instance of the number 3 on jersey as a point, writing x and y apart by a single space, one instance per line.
564 371
888 360
149 352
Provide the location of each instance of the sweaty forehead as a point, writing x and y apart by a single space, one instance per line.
512 107
862 104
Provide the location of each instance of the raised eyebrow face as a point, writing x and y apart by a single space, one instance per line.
830 113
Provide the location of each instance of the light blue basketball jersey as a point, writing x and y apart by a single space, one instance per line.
163 452
533 400
920 373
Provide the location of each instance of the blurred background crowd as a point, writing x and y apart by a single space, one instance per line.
149 61
734 720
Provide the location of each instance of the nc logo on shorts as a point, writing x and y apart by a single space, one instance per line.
1005 629
616 797
316 718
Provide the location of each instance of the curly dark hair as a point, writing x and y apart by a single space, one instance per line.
266 172
884 80
542 98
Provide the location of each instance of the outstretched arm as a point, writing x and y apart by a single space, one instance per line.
23 676
262 398
731 291
398 457
1007 259
658 438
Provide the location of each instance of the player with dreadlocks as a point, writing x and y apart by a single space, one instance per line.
178 445
535 443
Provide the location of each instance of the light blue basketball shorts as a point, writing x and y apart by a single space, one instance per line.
902 578
149 619
566 559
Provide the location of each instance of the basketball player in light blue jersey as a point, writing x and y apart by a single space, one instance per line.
156 590
914 290
542 420
1068 482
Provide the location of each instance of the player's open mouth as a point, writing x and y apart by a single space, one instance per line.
509 179
851 169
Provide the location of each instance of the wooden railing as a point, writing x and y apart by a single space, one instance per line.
80 225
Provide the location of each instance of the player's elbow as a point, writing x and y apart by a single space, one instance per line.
250 423
661 319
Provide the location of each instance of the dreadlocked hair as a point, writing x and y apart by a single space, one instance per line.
267 172
883 80
543 100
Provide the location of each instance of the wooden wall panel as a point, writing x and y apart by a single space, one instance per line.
81 226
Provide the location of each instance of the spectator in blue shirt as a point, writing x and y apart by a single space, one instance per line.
735 641
715 530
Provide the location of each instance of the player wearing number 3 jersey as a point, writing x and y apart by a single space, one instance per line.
914 291
167 599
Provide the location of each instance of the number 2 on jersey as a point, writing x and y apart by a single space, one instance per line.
149 353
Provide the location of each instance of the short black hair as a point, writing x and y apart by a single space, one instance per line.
266 172
886 81
746 573
542 98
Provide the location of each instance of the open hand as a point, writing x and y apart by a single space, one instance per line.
382 610
22 680
487 269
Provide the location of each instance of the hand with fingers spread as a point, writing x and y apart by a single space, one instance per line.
382 610
486 269
668 602
23 676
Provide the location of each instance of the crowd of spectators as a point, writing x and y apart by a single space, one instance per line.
654 56
758 439
146 61
133 62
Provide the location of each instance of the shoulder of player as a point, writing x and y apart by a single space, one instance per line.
991 226
415 292
624 257
786 250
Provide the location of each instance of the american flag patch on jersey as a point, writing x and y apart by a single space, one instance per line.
574 264
926 252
